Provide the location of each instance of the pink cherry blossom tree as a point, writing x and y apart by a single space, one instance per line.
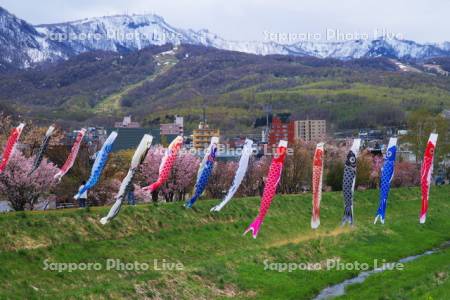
406 174
253 183
377 164
105 192
221 178
21 189
297 169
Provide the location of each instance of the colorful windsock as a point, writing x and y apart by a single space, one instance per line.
138 158
42 149
240 174
317 177
204 172
72 156
10 146
99 164
167 163
348 185
426 173
387 173
273 178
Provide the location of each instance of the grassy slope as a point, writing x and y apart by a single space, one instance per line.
426 278
218 261
112 103
340 102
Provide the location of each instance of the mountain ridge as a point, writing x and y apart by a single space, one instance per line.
27 45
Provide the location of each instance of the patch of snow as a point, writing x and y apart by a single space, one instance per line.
35 44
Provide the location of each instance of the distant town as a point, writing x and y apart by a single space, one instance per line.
278 127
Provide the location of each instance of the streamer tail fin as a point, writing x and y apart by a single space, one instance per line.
217 208
348 217
190 203
153 187
254 227
315 223
423 218
380 217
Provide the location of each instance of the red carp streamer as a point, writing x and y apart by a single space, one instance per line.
10 146
273 178
72 156
425 175
317 185
167 164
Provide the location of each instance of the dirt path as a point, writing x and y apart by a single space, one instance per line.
310 236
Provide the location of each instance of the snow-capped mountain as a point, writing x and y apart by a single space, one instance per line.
21 44
134 32
445 46
24 45
392 48
113 33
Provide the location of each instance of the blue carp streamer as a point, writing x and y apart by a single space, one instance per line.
387 173
99 164
204 173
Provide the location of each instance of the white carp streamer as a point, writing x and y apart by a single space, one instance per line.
138 158
240 174
72 156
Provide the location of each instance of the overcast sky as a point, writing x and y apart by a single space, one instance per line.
423 21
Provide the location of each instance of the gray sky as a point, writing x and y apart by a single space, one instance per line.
423 21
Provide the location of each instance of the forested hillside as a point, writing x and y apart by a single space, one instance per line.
157 82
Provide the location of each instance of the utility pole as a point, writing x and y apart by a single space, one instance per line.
268 110
204 113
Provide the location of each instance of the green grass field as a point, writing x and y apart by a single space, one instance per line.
218 262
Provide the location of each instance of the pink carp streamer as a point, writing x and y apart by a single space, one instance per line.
72 156
425 175
10 146
273 178
167 164
317 185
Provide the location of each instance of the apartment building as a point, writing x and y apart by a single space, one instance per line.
310 130
201 137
